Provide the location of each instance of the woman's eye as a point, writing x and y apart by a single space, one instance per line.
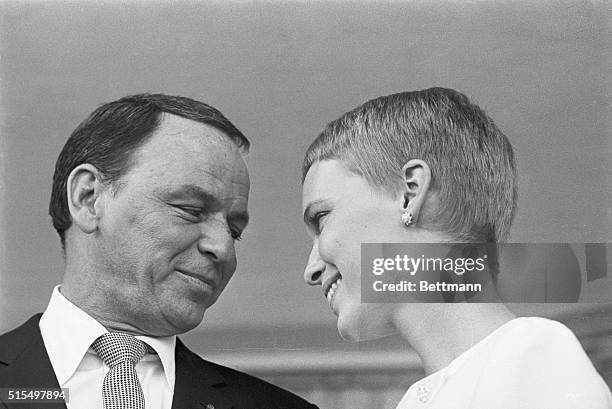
236 235
318 220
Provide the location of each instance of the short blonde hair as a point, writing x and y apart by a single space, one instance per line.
471 160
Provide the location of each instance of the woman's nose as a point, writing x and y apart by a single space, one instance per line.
314 268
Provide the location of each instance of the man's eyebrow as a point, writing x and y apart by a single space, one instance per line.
189 190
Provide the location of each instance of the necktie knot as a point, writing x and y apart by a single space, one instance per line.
116 347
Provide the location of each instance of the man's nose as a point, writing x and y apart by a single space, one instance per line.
315 267
216 241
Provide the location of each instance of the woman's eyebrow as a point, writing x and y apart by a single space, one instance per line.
241 218
308 212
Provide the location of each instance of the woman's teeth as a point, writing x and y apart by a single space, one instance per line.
333 288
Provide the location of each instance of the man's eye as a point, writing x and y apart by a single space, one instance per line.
192 211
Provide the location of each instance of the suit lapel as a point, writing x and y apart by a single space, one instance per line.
195 381
24 363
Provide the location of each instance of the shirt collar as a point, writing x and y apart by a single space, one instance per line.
68 332
164 347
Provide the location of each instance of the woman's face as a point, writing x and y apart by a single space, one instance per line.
342 211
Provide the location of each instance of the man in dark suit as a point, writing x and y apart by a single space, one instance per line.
149 195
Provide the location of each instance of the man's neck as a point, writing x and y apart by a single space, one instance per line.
89 300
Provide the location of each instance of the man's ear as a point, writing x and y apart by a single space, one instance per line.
417 179
84 187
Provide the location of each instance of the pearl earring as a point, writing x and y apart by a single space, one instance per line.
407 218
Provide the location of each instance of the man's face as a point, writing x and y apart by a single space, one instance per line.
166 238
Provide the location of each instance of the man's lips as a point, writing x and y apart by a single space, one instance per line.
208 281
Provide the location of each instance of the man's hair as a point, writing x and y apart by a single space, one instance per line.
471 160
108 138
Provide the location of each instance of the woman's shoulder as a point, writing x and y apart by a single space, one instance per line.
527 330
528 362
521 340
537 345
542 360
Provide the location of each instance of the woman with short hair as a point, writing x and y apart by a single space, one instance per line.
431 167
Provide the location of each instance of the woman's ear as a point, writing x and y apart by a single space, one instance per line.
84 187
417 179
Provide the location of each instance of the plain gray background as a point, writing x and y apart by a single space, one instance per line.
280 71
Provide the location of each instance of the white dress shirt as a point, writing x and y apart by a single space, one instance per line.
527 363
68 333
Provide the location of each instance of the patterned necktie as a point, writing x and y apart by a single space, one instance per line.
121 388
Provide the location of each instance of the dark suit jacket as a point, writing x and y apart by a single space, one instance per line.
199 384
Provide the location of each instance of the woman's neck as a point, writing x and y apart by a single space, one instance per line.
441 332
